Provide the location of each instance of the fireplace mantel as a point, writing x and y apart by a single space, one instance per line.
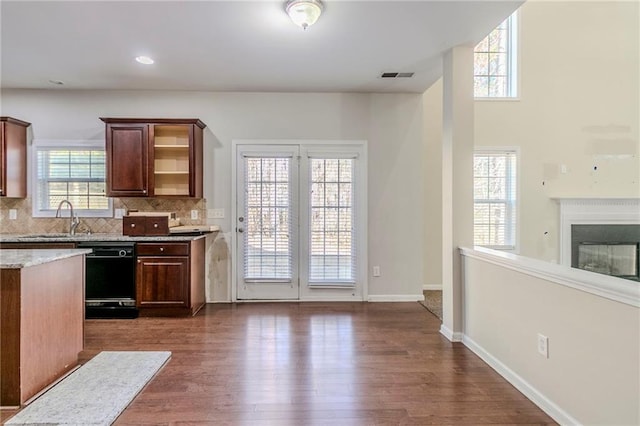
593 211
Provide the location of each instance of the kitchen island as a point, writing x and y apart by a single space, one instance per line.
41 319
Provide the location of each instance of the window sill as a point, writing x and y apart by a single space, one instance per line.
65 215
496 99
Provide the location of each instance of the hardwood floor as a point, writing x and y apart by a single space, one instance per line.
310 364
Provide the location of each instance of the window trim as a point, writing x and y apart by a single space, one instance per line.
515 249
513 62
63 144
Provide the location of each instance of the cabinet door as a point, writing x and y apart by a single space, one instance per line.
162 281
128 160
13 158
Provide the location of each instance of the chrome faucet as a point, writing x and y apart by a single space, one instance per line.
73 219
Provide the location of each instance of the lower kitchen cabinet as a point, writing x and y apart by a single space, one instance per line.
170 278
32 246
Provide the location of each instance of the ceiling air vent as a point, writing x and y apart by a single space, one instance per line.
396 75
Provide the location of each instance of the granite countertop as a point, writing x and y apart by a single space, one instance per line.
58 238
23 258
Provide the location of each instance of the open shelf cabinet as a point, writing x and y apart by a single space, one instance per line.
166 159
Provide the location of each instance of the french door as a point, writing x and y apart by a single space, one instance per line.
297 233
267 199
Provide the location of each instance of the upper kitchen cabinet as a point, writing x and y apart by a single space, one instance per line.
154 157
13 157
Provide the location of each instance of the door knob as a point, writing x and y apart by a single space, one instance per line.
241 230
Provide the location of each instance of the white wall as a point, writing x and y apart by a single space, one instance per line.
392 125
396 203
433 184
578 107
592 375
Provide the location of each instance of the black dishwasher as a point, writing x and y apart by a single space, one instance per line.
110 289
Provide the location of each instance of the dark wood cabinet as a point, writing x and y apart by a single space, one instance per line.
162 281
127 149
145 225
38 245
13 157
170 278
154 157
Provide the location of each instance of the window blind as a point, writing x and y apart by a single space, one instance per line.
495 199
74 174
268 239
332 257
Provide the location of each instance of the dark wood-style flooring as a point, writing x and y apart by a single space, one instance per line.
310 364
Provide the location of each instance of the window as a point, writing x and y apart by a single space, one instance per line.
332 254
73 171
494 198
268 212
495 60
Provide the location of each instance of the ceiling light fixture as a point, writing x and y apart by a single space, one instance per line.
304 13
144 60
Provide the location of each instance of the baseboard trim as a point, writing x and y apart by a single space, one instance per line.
538 398
395 297
331 299
428 287
452 336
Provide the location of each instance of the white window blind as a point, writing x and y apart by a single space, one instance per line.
73 173
494 175
332 257
268 245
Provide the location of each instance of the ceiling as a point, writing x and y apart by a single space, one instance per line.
236 45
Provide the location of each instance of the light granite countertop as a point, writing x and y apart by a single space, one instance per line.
23 258
59 238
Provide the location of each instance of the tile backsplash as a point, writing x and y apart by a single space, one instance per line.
26 224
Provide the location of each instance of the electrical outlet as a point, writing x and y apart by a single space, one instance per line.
376 271
215 214
543 345
194 214
13 214
119 213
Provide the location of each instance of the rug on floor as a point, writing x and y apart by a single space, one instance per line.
96 393
433 302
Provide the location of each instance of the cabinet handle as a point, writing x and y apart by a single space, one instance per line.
139 261
144 191
133 225
155 225
161 248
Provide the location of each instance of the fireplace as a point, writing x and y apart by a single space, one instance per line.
601 235
607 249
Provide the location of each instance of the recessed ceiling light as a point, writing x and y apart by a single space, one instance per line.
56 82
145 60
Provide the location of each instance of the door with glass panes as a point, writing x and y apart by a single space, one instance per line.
297 233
